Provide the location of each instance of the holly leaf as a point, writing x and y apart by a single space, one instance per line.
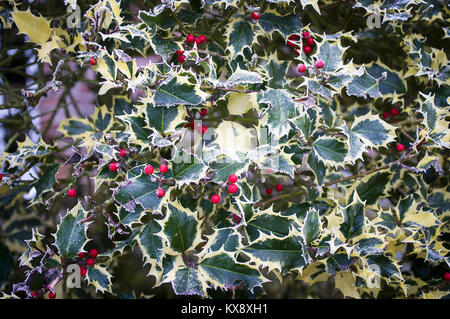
165 119
178 91
240 35
224 272
330 151
181 228
354 219
71 234
100 278
151 243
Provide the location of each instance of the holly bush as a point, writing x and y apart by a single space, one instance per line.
235 146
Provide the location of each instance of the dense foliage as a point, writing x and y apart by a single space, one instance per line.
235 145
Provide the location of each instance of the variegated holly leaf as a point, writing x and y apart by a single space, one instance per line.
240 35
224 167
354 218
46 181
267 223
330 151
151 243
165 119
140 190
284 255
178 91
367 131
187 168
312 227
242 77
281 110
189 281
307 123
271 21
181 229
364 85
71 233
224 272
100 278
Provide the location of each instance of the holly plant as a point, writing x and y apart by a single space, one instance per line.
232 147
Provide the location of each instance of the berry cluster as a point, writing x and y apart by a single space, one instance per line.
198 40
92 61
180 56
256 15
308 43
93 253
232 188
163 168
278 188
386 115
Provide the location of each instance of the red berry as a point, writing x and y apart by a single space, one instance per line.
400 147
292 44
81 254
294 37
202 38
279 187
237 219
447 276
204 129
113 166
301 68
93 253
51 295
310 41
90 262
297 52
232 178
72 192
179 52
385 115
319 64
256 15
215 198
92 61
190 38
163 168
123 153
307 49
394 111
181 58
83 271
1 176
33 293
232 188
269 191
305 34
160 192
203 112
198 41
148 169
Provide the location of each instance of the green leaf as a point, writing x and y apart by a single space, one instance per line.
288 24
331 54
139 190
339 262
223 239
165 119
46 181
282 109
181 228
364 85
240 35
354 219
188 281
225 166
330 151
312 227
241 77
71 236
222 271
100 278
276 71
371 189
281 254
393 82
151 243
178 91
306 123
267 223
187 168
